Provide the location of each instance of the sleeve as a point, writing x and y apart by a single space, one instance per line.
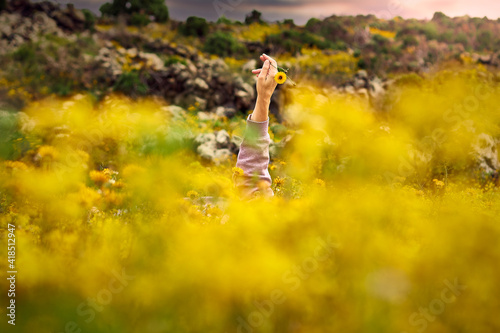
253 159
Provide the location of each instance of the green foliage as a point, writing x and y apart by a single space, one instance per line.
461 38
174 60
292 41
89 19
254 17
485 40
139 20
224 20
313 25
410 41
155 8
3 4
194 26
446 37
223 44
130 83
429 30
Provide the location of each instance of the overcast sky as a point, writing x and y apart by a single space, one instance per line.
302 10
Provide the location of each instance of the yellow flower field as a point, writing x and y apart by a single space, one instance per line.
381 220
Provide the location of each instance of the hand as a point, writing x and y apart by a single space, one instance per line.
265 87
266 83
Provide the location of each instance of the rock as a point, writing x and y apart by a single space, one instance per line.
176 112
200 84
223 139
485 149
362 74
207 151
376 88
204 138
225 112
235 144
206 116
359 83
222 155
363 93
350 89
249 66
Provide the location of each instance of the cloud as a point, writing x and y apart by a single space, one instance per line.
302 10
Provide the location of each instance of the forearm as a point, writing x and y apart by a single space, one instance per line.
261 111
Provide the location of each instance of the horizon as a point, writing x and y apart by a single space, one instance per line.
301 11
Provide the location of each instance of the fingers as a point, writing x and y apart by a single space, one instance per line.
265 70
266 57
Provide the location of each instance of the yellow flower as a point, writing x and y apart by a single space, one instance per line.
99 177
193 195
280 77
16 165
48 152
319 182
278 181
438 183
238 172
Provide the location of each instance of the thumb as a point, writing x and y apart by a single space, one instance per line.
265 70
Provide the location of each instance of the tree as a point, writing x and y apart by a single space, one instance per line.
194 26
254 17
155 8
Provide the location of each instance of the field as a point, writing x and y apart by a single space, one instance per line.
382 221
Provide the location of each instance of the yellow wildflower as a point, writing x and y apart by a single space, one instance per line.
193 195
16 165
319 182
278 181
99 177
238 172
280 77
438 183
48 152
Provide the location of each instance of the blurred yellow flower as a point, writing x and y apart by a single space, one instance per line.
278 181
438 183
48 152
319 182
99 177
16 165
193 195
238 172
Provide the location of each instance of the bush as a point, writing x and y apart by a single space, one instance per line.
155 8
194 26
223 44
484 40
292 41
130 84
89 19
254 17
139 20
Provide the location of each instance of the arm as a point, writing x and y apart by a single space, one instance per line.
253 158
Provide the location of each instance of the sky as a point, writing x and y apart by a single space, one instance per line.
302 10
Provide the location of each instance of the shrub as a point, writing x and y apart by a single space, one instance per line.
139 20
484 40
194 26
254 17
223 44
89 19
292 41
155 8
130 84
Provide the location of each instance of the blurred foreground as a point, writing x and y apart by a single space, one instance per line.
383 221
